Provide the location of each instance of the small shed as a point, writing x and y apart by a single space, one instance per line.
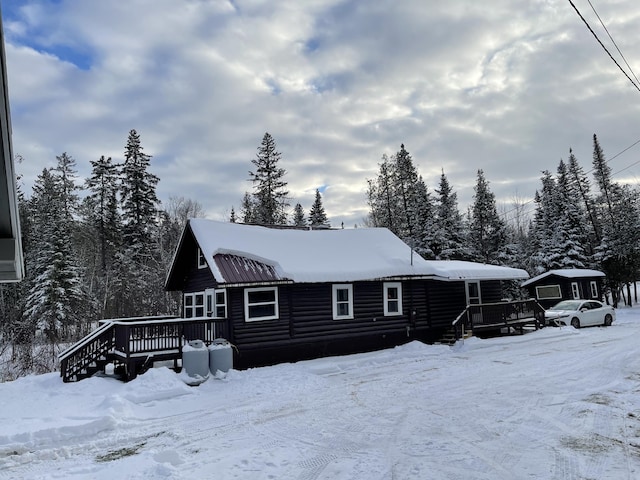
555 285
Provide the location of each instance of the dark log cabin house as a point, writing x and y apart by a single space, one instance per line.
288 294
568 284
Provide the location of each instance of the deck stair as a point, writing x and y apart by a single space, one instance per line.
133 344
450 338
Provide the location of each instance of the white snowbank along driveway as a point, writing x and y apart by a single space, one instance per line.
557 403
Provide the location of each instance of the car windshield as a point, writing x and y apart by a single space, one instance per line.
567 305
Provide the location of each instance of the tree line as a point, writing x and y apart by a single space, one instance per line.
574 224
100 248
92 250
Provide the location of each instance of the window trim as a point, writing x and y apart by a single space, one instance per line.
385 298
557 287
211 293
473 300
575 290
194 305
594 289
334 300
202 261
247 291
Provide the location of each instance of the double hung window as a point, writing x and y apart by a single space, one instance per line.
342 301
392 292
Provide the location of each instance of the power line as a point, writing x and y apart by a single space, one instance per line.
602 45
613 41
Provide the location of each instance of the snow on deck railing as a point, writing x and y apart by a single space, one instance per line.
108 323
85 341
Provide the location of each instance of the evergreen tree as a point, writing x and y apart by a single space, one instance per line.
447 240
55 304
581 189
383 205
299 219
317 215
101 209
487 233
270 193
399 200
618 251
232 217
247 209
67 174
138 194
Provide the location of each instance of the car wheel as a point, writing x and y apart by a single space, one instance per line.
575 323
608 320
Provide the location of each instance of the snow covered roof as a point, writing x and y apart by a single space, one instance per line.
566 273
329 255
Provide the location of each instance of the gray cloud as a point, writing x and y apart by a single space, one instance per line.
507 88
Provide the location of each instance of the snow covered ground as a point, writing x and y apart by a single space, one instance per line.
558 403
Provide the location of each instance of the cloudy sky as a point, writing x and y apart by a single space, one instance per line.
505 85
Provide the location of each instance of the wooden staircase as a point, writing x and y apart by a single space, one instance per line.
89 355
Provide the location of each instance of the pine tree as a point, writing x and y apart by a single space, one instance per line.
447 239
317 215
581 188
270 193
487 233
618 253
55 304
138 194
247 209
66 168
101 207
299 219
405 187
383 204
232 216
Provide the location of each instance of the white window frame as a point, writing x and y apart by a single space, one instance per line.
473 300
594 289
247 305
575 290
202 261
194 305
385 291
349 302
546 297
212 305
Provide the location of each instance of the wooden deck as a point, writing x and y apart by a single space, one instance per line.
493 317
133 344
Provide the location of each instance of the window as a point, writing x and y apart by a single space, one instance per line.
260 304
342 301
392 298
575 290
548 291
202 262
194 304
217 303
594 289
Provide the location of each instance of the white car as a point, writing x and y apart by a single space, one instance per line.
580 313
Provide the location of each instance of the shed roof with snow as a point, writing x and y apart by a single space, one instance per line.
566 273
239 253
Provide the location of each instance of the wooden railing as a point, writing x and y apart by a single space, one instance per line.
487 316
134 343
